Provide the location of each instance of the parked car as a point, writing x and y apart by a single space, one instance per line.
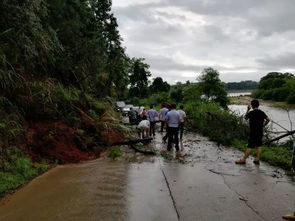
120 105
126 109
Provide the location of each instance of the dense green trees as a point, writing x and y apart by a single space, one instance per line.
276 86
209 86
158 85
243 85
139 75
74 41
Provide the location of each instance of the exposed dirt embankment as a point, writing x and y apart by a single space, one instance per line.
56 141
60 142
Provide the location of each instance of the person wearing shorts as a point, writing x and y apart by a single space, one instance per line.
257 120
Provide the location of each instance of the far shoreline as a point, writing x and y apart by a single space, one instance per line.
245 100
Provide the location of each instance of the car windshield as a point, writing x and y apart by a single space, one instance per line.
128 106
120 103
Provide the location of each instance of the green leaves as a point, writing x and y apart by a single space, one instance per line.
139 74
212 87
276 86
114 152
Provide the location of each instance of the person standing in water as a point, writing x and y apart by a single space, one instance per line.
257 120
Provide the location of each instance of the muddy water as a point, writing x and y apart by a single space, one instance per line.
204 185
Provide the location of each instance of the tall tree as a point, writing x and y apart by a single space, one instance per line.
139 78
212 87
158 85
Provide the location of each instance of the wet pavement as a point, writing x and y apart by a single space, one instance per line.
204 184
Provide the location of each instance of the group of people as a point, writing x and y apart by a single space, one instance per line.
174 120
171 119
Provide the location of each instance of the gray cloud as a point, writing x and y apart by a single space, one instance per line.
237 37
279 62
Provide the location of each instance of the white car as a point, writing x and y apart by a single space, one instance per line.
126 109
120 105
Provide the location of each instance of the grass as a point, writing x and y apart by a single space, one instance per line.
18 171
277 155
114 152
166 156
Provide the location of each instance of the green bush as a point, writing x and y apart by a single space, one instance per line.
267 95
280 94
277 156
191 93
257 93
114 152
176 95
17 169
218 124
155 99
291 98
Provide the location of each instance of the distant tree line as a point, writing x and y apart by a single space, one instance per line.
208 87
243 85
276 86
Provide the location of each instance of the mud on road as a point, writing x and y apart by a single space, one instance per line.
205 184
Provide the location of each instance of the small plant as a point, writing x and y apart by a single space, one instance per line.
114 152
146 148
182 161
166 156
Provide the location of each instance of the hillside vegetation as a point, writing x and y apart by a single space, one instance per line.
61 64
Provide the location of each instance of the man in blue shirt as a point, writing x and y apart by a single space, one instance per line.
152 117
173 120
162 115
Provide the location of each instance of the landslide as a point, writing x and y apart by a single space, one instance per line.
47 123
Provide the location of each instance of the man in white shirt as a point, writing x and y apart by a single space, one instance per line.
152 117
173 120
144 127
182 115
162 115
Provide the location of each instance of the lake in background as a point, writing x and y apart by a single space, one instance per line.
237 94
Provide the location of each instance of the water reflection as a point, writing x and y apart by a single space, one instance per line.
237 94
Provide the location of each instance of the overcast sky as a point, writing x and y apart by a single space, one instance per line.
242 39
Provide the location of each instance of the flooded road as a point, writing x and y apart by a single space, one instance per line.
205 184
